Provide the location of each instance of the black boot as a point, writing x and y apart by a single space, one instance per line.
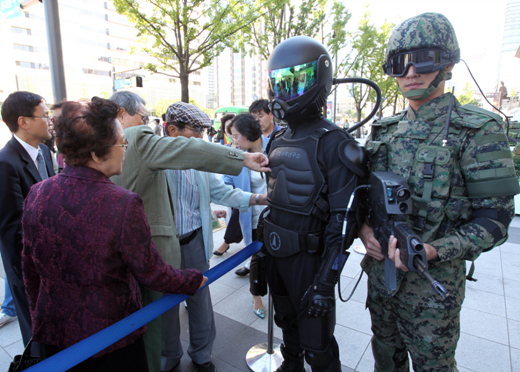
292 362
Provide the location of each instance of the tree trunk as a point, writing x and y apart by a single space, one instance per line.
185 80
358 131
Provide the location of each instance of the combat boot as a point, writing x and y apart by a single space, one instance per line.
292 362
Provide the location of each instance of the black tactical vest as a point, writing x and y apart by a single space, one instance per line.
296 182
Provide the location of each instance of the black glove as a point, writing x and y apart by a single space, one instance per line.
318 300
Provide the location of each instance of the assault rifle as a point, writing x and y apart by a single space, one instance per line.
389 202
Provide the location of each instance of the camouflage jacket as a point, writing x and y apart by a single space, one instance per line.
462 193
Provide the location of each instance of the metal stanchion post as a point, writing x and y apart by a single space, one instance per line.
266 357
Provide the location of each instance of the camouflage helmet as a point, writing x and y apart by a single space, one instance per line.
425 31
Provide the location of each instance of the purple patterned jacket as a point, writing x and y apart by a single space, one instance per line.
87 247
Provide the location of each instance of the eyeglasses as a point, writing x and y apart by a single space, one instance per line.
46 117
425 61
124 145
196 130
144 118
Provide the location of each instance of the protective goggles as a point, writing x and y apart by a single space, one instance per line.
424 61
291 82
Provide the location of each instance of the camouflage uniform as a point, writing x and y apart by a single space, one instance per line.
462 197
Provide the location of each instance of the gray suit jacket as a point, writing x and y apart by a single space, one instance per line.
147 156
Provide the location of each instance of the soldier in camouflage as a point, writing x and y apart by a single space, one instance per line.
462 183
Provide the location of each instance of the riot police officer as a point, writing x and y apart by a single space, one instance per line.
457 162
315 168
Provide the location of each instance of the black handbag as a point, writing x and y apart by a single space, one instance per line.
24 361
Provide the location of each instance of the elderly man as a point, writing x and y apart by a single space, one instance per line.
147 156
193 191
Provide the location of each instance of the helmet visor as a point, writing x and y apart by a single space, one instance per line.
291 82
424 61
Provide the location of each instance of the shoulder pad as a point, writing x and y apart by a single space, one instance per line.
354 156
475 117
390 120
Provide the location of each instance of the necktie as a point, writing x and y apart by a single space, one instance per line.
41 165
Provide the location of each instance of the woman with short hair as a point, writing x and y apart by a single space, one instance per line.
88 246
247 134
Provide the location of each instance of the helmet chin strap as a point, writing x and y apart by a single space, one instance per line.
418 94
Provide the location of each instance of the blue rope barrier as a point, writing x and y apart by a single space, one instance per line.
92 345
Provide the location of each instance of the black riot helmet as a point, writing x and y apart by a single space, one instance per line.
299 78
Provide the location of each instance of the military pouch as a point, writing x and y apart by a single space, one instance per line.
281 242
258 274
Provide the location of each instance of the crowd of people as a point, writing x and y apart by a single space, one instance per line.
122 214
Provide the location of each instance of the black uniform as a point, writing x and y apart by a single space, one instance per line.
308 192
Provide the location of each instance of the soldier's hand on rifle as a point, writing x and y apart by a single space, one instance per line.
394 254
366 234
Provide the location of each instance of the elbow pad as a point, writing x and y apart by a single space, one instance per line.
486 218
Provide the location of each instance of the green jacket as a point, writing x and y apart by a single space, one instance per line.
465 205
147 156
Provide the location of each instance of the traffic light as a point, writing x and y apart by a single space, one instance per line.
139 81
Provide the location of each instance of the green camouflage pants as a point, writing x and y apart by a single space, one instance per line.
429 335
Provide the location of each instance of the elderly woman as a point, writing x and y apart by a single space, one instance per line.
88 246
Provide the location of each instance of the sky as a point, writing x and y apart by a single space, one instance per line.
478 24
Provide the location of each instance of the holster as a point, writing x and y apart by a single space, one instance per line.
258 274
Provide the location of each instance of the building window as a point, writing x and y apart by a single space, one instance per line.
90 71
37 66
20 30
23 48
30 15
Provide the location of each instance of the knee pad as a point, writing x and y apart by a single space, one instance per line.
388 358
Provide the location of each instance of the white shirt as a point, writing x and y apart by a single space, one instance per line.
258 186
32 151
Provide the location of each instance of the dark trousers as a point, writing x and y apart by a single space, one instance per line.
233 232
289 278
21 303
131 358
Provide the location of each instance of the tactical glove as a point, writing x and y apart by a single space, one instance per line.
318 301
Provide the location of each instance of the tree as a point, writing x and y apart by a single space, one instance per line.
466 97
365 60
387 84
184 36
281 20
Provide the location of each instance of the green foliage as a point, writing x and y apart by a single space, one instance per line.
339 17
104 94
466 97
184 36
365 59
282 19
162 105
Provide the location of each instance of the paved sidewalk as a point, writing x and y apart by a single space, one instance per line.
490 334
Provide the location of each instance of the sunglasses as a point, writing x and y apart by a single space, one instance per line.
425 61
